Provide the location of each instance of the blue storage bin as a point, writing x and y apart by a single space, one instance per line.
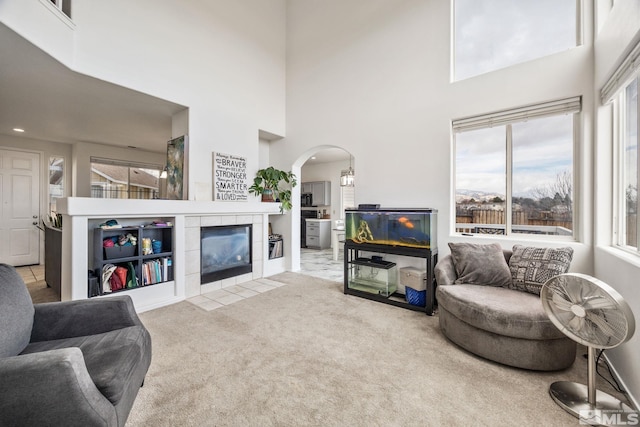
414 297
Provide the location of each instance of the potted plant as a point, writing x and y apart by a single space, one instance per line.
267 184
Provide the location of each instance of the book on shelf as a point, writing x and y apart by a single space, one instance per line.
276 248
156 271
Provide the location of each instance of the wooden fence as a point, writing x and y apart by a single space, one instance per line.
538 219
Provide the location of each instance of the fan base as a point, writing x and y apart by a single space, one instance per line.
573 398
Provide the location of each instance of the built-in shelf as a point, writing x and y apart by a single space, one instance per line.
143 266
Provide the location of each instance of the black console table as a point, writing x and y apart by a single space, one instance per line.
352 253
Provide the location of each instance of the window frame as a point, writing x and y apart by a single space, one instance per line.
619 138
507 118
613 92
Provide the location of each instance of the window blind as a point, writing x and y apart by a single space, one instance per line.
520 114
621 77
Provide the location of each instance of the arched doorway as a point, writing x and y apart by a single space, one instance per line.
322 164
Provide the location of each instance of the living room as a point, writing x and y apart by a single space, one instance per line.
277 81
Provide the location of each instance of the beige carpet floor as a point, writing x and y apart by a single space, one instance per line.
305 354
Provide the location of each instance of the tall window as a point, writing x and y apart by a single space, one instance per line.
628 165
514 170
56 181
493 34
621 89
122 180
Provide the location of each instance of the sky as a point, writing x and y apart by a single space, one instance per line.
542 149
493 34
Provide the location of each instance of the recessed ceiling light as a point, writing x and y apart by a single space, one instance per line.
18 130
313 157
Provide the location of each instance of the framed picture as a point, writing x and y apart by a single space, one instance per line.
177 165
229 178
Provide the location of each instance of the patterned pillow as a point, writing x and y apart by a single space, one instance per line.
531 267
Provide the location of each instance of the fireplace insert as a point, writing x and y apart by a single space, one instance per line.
225 251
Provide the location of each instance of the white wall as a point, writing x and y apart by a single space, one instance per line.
619 32
224 60
378 86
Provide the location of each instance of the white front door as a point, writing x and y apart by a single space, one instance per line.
20 214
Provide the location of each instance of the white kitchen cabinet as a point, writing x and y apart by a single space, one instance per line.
320 191
318 233
307 187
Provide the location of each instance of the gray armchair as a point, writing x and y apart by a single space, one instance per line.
501 324
76 363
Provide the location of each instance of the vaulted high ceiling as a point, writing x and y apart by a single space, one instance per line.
53 103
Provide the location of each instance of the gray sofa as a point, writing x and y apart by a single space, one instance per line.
499 323
77 363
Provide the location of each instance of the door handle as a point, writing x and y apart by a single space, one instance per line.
34 223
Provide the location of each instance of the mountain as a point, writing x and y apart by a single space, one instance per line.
462 194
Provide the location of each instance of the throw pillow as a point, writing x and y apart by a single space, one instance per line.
480 264
531 267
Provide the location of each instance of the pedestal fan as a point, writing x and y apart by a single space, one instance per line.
593 314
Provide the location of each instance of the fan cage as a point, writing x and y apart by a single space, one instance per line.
587 310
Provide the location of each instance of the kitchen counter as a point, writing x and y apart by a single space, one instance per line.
318 219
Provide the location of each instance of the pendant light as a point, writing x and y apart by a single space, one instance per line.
347 176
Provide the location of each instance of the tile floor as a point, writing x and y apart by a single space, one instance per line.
33 277
317 263
31 273
320 263
221 297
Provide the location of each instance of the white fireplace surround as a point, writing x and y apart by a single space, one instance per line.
82 214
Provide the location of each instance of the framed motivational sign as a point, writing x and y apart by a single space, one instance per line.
229 178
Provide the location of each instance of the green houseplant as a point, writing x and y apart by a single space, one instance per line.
267 183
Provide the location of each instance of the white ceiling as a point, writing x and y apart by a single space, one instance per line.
52 103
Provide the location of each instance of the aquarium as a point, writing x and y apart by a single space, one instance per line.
375 276
414 228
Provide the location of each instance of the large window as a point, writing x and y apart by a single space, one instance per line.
121 180
514 170
493 34
628 165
